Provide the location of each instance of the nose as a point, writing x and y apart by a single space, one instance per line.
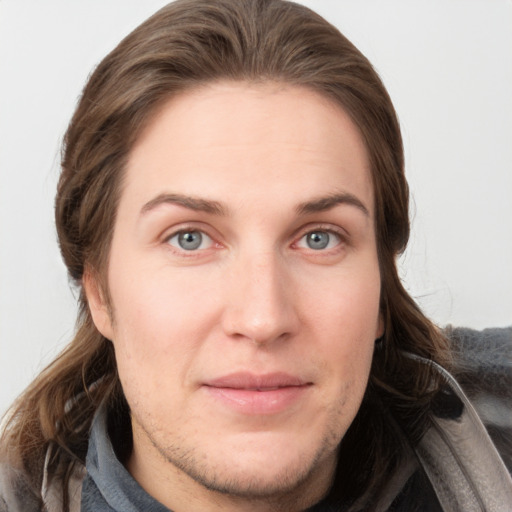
260 305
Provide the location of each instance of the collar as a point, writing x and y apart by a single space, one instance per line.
108 485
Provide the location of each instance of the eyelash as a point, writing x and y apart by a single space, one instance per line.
182 231
330 230
338 233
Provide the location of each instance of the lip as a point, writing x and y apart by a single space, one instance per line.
252 394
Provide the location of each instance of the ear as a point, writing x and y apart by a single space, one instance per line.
98 306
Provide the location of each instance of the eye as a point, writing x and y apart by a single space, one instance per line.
319 240
190 240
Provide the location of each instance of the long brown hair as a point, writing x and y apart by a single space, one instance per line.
186 44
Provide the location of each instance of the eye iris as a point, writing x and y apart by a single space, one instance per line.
318 240
190 240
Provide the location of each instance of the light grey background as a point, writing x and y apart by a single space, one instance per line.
447 65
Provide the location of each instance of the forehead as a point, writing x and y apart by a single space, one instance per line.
229 140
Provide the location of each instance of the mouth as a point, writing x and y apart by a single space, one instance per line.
251 394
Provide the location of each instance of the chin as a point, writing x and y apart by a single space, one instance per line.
261 465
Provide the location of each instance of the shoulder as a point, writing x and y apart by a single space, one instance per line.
483 368
456 452
19 494
16 493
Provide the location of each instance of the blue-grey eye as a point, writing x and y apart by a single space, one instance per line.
190 240
319 240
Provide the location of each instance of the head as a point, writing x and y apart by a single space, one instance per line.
255 69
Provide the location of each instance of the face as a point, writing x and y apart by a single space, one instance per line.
245 287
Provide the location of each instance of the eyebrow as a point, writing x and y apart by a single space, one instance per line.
192 203
323 204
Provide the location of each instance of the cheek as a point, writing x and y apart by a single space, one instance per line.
157 331
346 303
344 314
156 306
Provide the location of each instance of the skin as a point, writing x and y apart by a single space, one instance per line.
254 169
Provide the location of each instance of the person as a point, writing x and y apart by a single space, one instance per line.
231 206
